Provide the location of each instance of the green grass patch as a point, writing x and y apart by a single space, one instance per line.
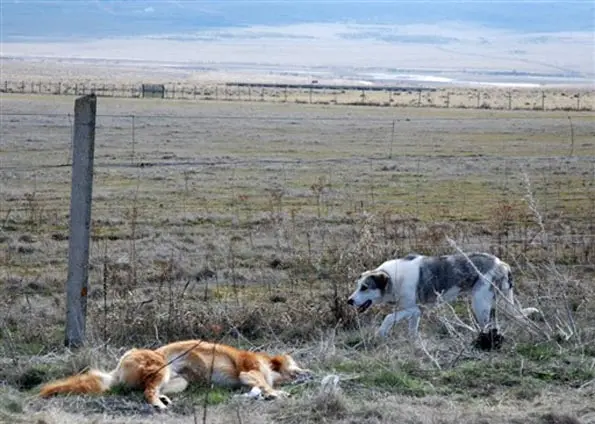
534 369
402 379
398 381
538 352
196 393
201 393
565 372
521 376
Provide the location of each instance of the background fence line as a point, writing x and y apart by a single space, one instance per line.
504 98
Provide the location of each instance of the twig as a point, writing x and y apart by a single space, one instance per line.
434 361
532 203
206 401
7 217
171 361
571 136
392 140
133 224
105 270
238 414
588 383
452 363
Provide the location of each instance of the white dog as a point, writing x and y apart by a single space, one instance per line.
417 279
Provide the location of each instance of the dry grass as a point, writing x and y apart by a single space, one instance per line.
250 229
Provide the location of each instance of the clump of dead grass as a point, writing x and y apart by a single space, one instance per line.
325 403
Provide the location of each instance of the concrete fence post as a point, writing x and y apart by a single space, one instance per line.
80 219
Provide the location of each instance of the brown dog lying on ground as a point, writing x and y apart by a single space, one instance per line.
170 368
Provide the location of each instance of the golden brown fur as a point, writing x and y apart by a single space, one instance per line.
171 367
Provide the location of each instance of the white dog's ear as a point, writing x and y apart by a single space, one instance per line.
380 281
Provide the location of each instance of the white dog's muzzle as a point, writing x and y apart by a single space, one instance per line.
360 308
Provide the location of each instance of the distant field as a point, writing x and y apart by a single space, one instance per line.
547 98
109 79
248 222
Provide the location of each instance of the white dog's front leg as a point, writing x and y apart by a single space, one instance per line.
414 321
395 317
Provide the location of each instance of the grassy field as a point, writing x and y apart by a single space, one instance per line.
249 222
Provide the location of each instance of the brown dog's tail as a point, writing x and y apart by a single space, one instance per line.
93 381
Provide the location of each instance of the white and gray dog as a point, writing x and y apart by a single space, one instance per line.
417 279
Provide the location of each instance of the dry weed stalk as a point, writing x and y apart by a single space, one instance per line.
318 188
534 209
565 321
133 216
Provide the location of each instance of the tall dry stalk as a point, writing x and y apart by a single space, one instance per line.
133 217
571 136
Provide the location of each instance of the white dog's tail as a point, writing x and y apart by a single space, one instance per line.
507 288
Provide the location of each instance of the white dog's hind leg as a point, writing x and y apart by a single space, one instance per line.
414 322
413 313
482 302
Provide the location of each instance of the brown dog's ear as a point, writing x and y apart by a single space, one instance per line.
277 363
380 281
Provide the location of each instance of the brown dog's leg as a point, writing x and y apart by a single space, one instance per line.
255 379
154 397
150 372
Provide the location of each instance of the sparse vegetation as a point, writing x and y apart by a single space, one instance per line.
251 231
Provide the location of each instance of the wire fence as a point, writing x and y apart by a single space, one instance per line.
489 98
196 189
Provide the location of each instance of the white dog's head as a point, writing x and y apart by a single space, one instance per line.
370 290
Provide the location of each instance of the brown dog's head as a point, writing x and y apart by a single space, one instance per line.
287 369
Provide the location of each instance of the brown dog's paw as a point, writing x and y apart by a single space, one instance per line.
160 406
165 400
491 340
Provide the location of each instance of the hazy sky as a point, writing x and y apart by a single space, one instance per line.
539 36
61 18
